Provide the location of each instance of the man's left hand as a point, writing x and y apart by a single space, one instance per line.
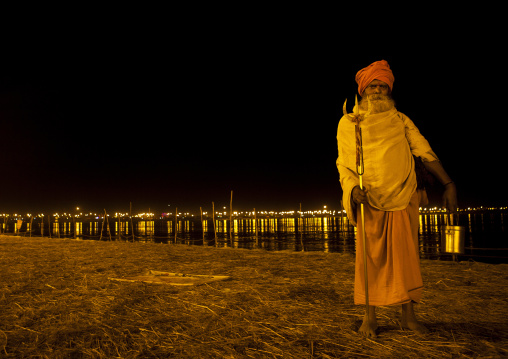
450 197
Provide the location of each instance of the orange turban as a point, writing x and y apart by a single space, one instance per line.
379 70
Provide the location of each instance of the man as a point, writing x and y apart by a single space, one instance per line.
390 197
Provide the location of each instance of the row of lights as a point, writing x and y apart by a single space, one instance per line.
235 213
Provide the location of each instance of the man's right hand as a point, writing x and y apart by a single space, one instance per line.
360 196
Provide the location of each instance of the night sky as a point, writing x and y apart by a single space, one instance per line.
100 121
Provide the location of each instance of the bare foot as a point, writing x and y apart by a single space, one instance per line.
409 321
368 328
415 326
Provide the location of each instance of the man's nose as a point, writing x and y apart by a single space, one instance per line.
377 90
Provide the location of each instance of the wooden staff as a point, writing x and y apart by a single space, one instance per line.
360 170
357 118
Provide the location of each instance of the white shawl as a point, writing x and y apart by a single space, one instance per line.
389 140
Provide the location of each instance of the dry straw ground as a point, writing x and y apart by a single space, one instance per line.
56 302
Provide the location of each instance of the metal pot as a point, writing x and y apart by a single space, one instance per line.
452 237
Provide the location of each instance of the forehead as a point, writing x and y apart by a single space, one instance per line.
378 82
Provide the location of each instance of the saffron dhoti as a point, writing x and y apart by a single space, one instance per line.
393 262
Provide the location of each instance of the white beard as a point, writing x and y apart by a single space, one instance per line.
378 103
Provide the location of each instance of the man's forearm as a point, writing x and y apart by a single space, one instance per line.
436 168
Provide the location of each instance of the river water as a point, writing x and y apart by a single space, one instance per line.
486 236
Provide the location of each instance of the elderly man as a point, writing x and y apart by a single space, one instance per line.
390 197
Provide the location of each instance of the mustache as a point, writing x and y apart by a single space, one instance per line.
378 97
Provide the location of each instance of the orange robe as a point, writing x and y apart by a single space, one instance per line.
393 262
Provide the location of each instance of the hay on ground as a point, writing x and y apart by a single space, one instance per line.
56 302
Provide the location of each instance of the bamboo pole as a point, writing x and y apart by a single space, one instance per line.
31 221
132 229
107 223
231 219
300 234
119 235
256 227
102 227
214 226
202 226
176 221
300 224
132 221
146 224
301 241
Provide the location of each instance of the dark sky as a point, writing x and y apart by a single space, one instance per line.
98 121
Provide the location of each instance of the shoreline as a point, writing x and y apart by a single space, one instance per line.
483 255
56 301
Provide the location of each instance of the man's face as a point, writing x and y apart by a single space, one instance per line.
377 87
378 95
